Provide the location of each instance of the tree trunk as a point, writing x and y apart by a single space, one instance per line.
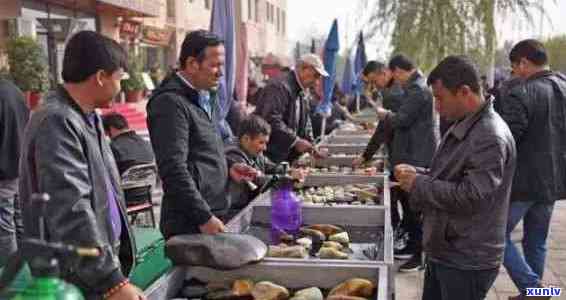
490 38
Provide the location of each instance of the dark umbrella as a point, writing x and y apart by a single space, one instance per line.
331 47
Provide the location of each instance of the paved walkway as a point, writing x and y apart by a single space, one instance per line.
409 285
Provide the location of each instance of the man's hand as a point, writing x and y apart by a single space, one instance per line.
320 153
358 161
382 113
406 175
303 146
128 292
213 226
241 172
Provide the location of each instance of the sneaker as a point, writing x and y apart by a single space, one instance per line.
405 253
399 244
412 265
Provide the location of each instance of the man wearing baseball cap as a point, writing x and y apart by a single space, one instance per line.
284 105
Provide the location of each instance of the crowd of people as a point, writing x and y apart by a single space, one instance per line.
468 167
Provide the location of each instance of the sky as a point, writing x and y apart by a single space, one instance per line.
314 17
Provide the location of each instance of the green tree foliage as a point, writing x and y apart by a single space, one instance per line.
429 30
28 66
556 48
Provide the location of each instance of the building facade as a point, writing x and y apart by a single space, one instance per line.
152 29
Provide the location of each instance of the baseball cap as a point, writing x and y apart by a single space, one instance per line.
314 61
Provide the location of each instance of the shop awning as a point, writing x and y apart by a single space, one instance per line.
130 8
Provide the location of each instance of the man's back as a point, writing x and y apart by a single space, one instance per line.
536 113
130 150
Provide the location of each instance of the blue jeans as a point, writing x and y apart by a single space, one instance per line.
527 270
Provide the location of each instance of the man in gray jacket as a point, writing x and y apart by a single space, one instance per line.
464 196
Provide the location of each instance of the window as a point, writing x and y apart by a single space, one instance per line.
278 19
170 8
250 10
207 4
272 14
283 21
256 11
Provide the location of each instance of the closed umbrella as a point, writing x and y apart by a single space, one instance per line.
331 47
360 61
222 24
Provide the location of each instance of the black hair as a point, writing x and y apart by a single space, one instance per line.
195 44
530 49
88 52
253 126
114 120
373 66
402 62
456 71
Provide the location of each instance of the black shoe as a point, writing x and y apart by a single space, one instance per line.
405 253
412 265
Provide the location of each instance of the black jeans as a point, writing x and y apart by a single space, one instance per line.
411 221
446 283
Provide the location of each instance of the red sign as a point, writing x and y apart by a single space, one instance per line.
128 28
156 36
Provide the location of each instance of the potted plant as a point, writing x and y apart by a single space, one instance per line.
134 86
28 68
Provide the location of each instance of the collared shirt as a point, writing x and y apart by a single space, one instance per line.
114 211
204 96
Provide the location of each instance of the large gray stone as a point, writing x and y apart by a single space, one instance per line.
224 251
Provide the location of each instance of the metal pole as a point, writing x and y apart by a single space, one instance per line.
357 102
323 128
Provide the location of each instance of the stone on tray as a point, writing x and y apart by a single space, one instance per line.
312 293
195 291
242 287
326 229
357 287
331 244
305 242
342 297
220 251
331 253
226 295
313 233
341 237
288 252
266 290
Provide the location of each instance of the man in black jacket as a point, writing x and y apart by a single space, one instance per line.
66 156
14 115
535 110
415 131
464 196
182 120
284 105
128 147
378 75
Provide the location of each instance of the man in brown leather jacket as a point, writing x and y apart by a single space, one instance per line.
464 196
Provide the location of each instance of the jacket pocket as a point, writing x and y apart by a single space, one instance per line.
457 233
